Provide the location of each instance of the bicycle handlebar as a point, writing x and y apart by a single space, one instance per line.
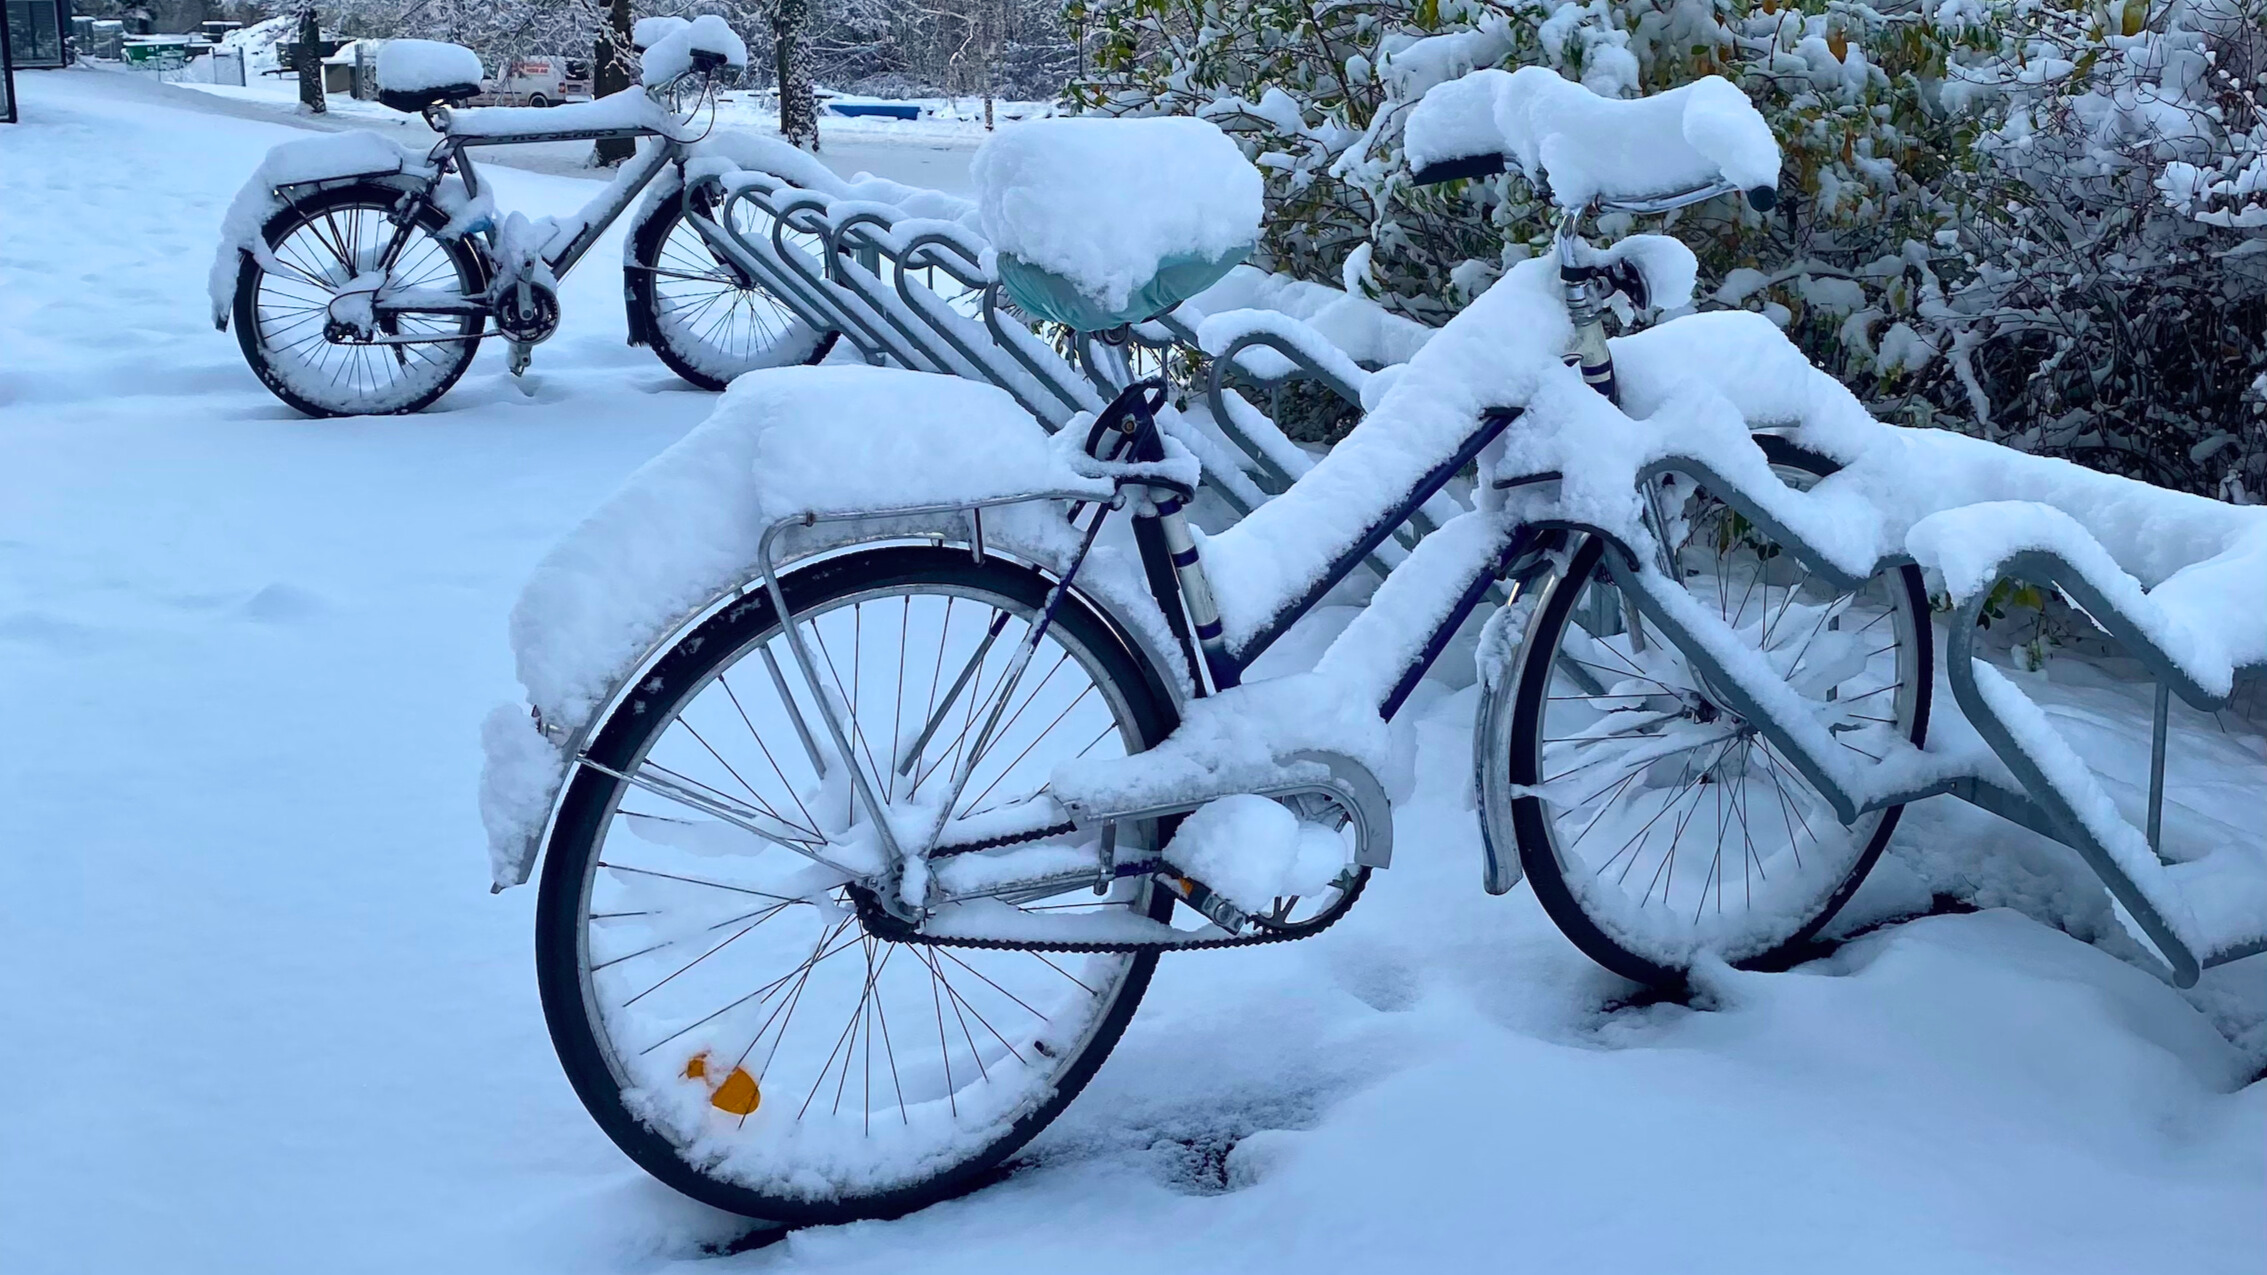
1464 168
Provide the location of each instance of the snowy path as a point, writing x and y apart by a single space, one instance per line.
257 1012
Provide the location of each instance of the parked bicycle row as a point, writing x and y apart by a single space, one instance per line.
923 679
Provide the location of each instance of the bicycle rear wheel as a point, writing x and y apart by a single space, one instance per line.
1655 823
714 997
338 246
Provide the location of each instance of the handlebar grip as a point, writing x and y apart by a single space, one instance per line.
1763 198
1448 170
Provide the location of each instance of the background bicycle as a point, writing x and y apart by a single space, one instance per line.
362 277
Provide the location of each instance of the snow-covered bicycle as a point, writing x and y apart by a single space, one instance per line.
834 939
362 276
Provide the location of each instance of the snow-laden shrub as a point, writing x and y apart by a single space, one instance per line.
2113 304
2031 219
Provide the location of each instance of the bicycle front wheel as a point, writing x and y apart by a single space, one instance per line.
714 996
308 328
707 319
1654 822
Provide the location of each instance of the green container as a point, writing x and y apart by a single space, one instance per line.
1043 294
157 51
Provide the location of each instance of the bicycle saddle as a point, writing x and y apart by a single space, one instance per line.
416 74
1099 223
1582 148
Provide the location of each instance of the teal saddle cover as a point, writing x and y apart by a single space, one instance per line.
1043 294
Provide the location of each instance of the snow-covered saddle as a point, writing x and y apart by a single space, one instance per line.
415 74
1098 223
1582 147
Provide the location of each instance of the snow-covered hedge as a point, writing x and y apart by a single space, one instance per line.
2040 222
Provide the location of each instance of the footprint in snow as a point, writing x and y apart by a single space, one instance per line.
283 604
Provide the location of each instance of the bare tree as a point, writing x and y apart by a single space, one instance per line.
969 35
308 60
610 72
798 107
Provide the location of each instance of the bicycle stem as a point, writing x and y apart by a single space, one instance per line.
1595 360
1592 358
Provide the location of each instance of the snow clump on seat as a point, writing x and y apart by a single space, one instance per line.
1106 203
420 66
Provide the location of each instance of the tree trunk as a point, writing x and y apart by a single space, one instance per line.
309 62
611 73
798 109
995 22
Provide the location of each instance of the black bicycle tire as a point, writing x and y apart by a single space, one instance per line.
470 265
644 299
1537 854
573 836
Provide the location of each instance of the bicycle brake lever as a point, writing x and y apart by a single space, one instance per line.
1624 277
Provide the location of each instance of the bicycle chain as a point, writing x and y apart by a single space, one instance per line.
889 929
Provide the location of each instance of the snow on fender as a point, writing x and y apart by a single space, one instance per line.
689 524
323 157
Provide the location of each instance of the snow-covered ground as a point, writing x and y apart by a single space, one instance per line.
258 1013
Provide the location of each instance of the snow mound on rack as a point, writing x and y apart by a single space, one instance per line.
1103 202
1696 387
416 66
1360 328
1587 146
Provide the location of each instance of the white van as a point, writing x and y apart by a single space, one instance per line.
537 81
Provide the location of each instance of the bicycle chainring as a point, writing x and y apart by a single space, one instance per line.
528 312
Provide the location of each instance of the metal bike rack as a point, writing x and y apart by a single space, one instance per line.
860 271
2036 801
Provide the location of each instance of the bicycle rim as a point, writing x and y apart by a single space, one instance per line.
784 1063
332 248
1656 823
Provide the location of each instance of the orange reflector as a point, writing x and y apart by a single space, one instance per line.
737 1094
696 1067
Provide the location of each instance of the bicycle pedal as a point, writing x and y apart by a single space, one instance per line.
1211 905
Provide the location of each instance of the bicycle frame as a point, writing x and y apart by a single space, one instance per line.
1173 568
453 154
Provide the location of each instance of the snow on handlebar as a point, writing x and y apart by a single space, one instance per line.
1585 148
670 47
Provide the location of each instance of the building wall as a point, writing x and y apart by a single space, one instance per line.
37 31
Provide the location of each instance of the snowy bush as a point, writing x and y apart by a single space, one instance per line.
2040 222
2113 305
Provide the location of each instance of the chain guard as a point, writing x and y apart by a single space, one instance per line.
881 925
